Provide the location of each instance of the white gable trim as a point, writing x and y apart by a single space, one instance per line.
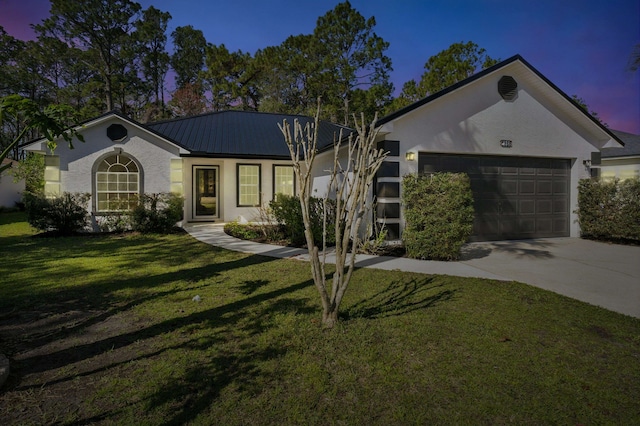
41 144
559 103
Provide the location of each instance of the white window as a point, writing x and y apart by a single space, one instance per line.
283 180
248 185
117 184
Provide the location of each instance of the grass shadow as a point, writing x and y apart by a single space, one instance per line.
400 298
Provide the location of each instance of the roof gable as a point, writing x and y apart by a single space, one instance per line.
564 103
240 134
93 122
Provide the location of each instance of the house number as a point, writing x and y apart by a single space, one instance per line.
506 143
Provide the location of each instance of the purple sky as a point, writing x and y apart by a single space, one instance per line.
582 46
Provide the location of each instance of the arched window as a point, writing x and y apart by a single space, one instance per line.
117 183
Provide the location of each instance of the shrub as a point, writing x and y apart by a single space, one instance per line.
609 210
65 214
157 213
244 232
438 215
31 170
288 213
115 222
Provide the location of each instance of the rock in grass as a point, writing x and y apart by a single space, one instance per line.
4 369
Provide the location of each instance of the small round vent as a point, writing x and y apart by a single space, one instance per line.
508 88
116 132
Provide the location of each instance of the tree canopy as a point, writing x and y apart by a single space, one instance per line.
100 55
454 64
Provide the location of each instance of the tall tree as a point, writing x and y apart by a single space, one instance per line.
352 57
9 48
101 26
343 62
232 78
457 62
151 35
287 74
188 100
188 58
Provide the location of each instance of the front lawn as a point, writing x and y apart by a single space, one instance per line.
104 330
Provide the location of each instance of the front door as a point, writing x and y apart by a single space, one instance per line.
205 192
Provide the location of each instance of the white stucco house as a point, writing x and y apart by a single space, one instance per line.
622 162
524 143
225 164
10 191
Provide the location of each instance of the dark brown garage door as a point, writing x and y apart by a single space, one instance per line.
514 197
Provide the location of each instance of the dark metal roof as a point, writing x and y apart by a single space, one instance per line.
631 146
241 134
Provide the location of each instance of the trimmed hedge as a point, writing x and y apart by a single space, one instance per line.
438 212
609 210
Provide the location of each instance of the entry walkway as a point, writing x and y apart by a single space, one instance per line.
606 275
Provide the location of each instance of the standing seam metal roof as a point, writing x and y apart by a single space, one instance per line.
631 146
240 133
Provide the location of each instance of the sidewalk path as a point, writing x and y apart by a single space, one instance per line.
602 274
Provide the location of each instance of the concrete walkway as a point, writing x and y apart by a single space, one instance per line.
606 275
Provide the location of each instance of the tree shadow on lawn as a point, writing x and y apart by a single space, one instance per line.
400 298
57 314
198 331
220 316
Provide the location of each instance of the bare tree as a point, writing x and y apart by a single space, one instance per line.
355 163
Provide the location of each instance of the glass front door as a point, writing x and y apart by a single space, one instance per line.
205 192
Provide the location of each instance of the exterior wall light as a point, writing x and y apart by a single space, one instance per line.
410 156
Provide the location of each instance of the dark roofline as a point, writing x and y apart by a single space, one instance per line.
119 114
200 154
483 73
173 120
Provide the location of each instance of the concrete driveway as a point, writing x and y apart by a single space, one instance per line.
602 274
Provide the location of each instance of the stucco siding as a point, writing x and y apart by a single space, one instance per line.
475 119
10 191
76 166
228 187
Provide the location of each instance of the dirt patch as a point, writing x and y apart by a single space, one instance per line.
50 349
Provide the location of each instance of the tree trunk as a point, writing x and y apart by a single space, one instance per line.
330 317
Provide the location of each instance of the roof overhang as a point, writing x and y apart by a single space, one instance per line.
40 144
600 135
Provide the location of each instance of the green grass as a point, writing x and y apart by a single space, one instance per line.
104 330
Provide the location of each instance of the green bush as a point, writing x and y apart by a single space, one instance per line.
157 213
65 214
115 222
438 213
609 210
288 213
244 232
31 170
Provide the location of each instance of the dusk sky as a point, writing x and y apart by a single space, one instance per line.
582 46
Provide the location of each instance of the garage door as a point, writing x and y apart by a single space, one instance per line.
514 197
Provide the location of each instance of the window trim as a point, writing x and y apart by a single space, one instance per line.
274 167
238 166
94 179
